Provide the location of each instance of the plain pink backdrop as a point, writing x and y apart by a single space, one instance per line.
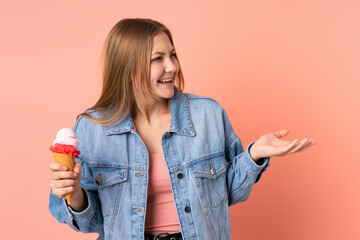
271 64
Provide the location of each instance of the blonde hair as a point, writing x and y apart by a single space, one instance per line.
126 70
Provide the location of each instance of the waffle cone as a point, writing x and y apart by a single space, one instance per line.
69 162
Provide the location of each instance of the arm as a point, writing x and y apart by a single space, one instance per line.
88 217
247 166
242 172
88 220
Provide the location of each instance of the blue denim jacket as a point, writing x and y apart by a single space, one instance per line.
208 168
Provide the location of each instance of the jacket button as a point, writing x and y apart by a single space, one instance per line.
180 176
187 209
98 179
168 134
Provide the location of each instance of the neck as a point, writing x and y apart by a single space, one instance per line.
151 113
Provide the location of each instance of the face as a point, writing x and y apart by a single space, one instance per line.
164 67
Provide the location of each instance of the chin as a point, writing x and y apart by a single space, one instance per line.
167 96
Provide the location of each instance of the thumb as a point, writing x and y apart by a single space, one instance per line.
77 168
281 133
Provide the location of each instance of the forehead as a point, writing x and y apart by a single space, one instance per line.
161 43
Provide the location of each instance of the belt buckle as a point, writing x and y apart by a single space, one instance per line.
158 234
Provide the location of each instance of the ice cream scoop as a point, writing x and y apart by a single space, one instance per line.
66 136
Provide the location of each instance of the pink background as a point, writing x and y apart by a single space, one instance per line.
271 64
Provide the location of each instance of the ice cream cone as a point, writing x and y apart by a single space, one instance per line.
69 162
65 152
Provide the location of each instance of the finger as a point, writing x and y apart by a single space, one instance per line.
281 133
310 142
57 167
306 146
77 168
299 146
61 192
289 146
62 183
58 175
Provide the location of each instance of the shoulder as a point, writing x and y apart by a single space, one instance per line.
206 111
191 96
89 133
203 101
84 123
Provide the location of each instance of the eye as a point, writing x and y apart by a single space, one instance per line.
159 58
156 59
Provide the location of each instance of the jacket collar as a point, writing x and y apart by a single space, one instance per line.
181 122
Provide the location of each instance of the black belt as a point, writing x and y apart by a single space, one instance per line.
163 236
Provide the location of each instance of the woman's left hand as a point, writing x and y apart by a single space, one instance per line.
271 145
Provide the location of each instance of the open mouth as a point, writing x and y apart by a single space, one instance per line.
166 80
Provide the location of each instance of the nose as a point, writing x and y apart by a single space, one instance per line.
171 65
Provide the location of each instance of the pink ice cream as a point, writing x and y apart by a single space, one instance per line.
66 136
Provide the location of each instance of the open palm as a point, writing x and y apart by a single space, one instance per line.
271 145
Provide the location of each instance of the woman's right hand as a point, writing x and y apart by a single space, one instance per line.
63 182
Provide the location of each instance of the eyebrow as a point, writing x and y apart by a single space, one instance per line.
162 53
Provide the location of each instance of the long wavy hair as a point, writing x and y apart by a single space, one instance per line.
126 70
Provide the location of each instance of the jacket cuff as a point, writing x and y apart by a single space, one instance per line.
86 213
257 168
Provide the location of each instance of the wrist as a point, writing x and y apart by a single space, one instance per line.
253 153
79 201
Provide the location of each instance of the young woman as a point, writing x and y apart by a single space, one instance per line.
156 163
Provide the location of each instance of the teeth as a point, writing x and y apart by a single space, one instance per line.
165 80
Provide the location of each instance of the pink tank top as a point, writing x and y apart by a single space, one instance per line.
161 215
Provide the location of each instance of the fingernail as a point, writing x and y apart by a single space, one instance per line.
64 168
74 175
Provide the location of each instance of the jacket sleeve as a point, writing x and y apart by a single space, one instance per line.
91 219
242 171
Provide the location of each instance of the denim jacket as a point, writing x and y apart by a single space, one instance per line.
207 165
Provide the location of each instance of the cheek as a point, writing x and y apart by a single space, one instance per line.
155 72
176 63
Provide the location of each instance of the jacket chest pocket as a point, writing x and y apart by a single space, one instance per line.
110 183
210 178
